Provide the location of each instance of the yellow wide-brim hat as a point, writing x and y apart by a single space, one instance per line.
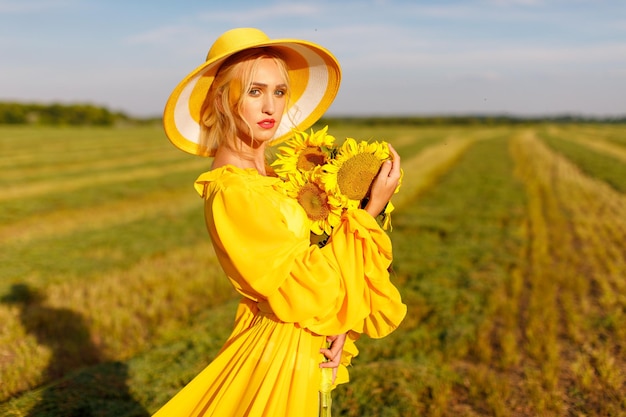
314 78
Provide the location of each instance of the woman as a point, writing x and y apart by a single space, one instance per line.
296 297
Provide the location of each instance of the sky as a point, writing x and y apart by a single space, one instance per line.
398 57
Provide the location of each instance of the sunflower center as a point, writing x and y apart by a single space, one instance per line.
310 157
356 174
314 201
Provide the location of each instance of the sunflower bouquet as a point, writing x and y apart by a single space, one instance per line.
327 178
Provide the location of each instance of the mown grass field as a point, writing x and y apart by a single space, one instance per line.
510 251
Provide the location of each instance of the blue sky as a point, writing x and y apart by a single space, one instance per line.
399 57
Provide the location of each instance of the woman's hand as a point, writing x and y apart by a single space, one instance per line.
384 185
333 353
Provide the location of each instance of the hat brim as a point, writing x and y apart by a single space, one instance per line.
314 77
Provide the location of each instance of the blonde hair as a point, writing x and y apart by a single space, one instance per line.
223 103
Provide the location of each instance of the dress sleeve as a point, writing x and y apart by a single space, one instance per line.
365 253
264 259
328 291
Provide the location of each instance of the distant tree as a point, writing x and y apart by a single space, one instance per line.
60 114
12 113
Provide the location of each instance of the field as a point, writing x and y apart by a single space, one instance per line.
510 252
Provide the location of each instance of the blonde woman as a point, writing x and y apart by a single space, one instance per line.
297 298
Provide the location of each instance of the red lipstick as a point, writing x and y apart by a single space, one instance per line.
267 123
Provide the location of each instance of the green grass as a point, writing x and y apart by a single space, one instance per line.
82 255
612 133
453 248
605 167
111 298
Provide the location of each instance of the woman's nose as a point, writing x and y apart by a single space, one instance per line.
268 105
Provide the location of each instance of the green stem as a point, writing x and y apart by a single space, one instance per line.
326 402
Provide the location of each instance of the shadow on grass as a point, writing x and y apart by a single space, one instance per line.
82 382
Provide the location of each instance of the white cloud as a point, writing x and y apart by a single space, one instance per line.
192 31
271 11
160 34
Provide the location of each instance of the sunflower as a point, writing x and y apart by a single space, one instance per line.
354 168
327 179
304 152
322 206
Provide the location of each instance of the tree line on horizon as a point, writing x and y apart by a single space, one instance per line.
56 114
85 114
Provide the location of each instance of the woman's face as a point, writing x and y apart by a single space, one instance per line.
264 103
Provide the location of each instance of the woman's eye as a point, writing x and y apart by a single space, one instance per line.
280 93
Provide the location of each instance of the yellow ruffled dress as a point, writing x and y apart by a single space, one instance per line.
294 294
